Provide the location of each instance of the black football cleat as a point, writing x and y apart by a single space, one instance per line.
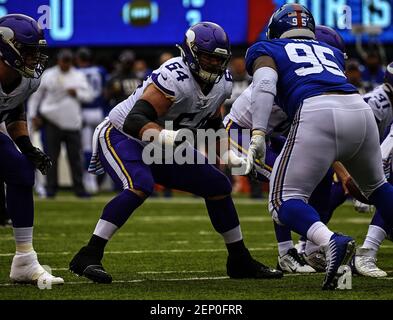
245 266
87 263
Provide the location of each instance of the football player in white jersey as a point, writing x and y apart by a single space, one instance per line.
381 102
238 124
188 92
21 64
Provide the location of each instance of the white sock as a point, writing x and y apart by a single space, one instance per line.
374 238
232 235
311 247
105 229
319 234
23 239
283 247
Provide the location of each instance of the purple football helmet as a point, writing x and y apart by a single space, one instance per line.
206 50
388 79
291 20
330 36
21 44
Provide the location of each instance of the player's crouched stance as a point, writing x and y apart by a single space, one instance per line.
188 92
21 64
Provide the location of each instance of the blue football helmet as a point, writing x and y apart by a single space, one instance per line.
291 21
331 37
206 50
21 45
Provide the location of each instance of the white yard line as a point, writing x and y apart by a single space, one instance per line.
174 200
132 281
145 251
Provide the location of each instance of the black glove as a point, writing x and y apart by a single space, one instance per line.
40 160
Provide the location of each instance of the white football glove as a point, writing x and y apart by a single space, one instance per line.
168 137
363 207
234 162
256 151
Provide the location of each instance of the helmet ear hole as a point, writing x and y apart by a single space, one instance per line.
6 33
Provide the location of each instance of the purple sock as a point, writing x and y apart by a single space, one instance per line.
283 233
20 205
119 209
222 214
320 198
382 198
337 197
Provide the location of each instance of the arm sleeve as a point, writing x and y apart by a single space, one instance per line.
263 91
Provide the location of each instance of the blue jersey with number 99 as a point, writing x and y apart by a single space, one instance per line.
305 68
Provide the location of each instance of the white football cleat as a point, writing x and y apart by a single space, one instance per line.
365 263
316 260
25 268
292 262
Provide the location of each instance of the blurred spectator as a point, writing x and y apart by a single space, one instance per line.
93 112
141 70
164 57
57 103
241 80
123 82
354 75
372 72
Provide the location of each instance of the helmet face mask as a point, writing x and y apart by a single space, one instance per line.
206 50
22 44
291 21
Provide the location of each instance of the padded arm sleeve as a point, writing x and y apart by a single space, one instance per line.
263 91
142 113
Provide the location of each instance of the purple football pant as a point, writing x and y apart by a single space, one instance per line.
18 174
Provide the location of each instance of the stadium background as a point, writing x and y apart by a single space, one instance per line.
151 27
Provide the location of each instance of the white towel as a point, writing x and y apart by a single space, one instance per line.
95 165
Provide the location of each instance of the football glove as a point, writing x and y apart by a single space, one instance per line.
40 160
233 161
256 151
167 137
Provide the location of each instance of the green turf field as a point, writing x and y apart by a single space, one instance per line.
168 250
